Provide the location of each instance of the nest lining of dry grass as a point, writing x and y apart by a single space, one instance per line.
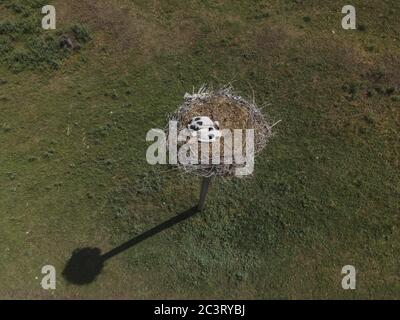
232 112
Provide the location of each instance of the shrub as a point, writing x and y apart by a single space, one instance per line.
38 54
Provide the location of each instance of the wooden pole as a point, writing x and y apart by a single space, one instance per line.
203 192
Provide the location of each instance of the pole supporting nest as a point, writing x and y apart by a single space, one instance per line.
203 192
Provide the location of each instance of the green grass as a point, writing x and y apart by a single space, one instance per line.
73 172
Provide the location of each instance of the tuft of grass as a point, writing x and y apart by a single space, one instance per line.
5 127
361 28
5 47
81 33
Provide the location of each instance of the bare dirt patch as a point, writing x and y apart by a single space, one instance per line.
119 22
125 27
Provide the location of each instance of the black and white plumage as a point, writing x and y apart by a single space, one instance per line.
204 129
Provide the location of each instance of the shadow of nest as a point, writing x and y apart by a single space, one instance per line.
84 266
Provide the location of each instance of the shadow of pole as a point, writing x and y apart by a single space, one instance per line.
149 233
86 264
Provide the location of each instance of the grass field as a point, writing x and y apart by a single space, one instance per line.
73 172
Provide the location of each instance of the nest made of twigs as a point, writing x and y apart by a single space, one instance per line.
232 112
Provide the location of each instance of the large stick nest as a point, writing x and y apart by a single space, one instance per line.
232 112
